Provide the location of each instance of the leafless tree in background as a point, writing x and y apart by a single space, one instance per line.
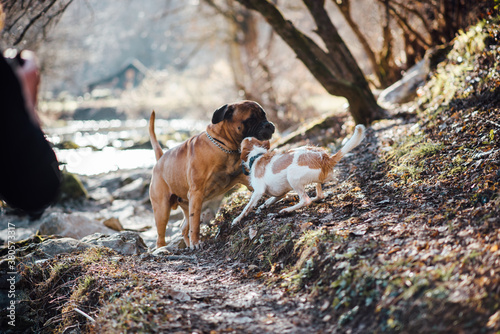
249 63
256 68
27 21
420 24
335 68
423 23
402 32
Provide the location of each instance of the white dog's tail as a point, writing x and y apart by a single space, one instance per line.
357 137
152 137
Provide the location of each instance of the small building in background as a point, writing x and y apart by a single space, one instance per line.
128 77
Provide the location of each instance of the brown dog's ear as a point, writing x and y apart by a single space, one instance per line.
266 144
224 112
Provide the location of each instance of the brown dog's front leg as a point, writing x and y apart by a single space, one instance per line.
185 226
195 204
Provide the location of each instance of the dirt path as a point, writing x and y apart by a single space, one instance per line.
213 292
184 293
202 294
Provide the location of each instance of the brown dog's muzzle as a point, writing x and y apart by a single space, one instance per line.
262 130
266 131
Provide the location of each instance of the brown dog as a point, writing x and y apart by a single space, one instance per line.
203 167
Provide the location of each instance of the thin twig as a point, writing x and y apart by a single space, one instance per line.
77 310
494 123
403 21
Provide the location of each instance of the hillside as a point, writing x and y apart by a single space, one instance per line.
407 239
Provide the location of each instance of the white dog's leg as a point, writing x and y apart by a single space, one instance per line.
319 193
270 202
304 201
253 201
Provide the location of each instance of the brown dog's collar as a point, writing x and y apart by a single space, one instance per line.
220 147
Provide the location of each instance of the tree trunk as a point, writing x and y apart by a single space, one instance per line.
336 70
345 9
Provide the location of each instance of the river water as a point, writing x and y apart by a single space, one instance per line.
110 145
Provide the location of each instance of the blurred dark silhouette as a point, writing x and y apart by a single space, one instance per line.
29 170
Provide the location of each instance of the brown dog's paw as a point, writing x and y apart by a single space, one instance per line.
197 246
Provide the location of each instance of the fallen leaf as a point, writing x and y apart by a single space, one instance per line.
252 233
259 274
305 226
394 250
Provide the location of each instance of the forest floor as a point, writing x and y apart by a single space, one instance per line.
406 240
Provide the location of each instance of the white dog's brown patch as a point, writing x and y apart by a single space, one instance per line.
261 164
282 163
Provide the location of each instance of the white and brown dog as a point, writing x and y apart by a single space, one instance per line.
275 174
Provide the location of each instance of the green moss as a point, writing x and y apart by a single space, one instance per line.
312 238
96 254
407 157
72 187
67 145
446 81
85 284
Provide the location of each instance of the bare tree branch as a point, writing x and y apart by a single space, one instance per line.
406 8
404 23
353 87
345 10
26 20
32 21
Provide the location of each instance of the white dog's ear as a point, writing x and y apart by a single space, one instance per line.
245 148
245 151
266 144
224 112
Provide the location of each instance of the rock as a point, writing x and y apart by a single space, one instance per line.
162 251
71 225
72 187
53 247
125 243
134 190
113 223
177 243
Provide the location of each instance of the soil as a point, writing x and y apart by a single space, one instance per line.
202 293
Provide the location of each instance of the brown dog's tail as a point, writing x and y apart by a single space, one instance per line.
152 137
